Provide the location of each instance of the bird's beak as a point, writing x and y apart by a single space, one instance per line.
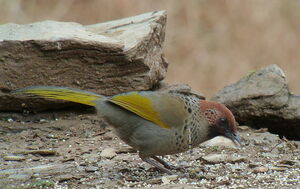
234 137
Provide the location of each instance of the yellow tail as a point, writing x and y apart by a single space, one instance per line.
62 93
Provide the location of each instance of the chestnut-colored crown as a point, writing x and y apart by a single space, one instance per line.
213 111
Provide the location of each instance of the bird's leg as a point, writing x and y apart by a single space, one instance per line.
155 164
165 164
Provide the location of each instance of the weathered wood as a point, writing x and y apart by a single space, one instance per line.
107 58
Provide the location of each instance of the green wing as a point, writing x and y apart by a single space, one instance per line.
163 109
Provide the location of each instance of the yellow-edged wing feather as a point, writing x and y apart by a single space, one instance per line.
140 105
62 93
146 105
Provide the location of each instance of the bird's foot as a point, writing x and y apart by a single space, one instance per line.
157 165
168 166
162 165
178 168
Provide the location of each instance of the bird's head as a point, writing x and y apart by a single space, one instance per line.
220 119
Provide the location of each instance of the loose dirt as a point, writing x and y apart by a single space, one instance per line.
76 149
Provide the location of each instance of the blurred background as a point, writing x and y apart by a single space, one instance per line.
209 43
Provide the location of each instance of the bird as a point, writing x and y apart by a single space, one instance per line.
155 123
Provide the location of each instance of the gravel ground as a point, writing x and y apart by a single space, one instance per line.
77 150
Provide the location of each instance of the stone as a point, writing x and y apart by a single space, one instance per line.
289 162
260 169
263 138
279 168
13 158
164 180
65 177
168 179
219 141
107 58
108 153
180 88
22 177
153 181
262 99
90 158
223 158
124 157
47 168
43 152
125 149
91 169
175 186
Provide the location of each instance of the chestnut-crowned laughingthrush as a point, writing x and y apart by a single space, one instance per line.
154 123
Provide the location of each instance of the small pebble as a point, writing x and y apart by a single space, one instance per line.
19 176
279 168
219 141
91 169
108 153
260 169
13 158
154 181
168 179
223 158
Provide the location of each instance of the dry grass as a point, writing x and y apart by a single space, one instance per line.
208 43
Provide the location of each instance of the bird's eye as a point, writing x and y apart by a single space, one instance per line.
223 120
